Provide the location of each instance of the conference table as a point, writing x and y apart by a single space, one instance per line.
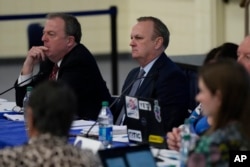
13 133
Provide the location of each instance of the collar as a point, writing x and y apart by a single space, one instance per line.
149 66
59 63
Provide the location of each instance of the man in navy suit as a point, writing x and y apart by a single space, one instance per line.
163 80
76 65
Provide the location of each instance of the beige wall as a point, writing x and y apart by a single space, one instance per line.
195 25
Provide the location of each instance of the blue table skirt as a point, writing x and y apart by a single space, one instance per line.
13 133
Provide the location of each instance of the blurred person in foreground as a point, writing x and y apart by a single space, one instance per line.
163 80
49 116
199 122
64 58
244 53
224 94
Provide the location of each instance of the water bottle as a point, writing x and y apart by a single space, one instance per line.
105 121
186 142
26 98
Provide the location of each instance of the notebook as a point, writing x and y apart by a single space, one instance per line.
132 156
144 124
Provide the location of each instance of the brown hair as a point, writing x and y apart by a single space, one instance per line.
232 80
225 51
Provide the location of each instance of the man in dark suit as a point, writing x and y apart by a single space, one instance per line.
163 80
76 65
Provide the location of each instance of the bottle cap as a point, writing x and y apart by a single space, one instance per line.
187 121
105 103
186 137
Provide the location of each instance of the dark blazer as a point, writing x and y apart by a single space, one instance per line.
166 82
80 71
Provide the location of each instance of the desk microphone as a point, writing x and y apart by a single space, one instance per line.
117 99
34 76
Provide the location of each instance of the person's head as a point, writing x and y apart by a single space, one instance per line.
224 51
61 33
51 109
149 38
244 53
224 90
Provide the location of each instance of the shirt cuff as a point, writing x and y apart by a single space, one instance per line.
22 78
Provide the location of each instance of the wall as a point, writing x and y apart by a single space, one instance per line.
195 25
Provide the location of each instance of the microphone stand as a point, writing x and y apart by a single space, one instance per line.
20 83
130 84
118 98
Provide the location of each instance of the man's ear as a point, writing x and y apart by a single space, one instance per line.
158 42
71 41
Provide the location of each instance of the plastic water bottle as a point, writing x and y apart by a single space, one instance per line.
26 98
105 120
186 142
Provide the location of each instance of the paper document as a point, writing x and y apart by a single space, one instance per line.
121 138
82 123
117 130
6 106
14 117
79 124
1 100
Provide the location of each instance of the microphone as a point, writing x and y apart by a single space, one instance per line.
115 101
34 76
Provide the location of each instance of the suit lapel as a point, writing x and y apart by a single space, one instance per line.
148 83
130 80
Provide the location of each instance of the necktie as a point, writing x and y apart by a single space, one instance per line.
53 74
132 92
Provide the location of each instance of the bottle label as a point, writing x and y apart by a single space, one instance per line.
105 134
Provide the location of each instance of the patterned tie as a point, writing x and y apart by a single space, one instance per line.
132 92
53 74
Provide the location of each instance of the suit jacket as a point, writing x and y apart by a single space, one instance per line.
165 82
80 71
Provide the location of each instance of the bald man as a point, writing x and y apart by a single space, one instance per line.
244 53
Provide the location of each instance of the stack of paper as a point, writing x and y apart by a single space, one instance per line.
14 117
80 124
117 130
6 106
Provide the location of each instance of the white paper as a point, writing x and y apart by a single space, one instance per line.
6 106
121 138
117 130
14 117
2 100
82 123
